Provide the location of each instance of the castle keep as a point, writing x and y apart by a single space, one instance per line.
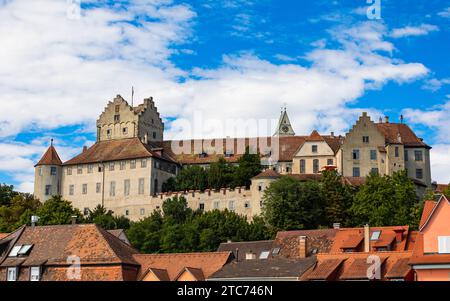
126 167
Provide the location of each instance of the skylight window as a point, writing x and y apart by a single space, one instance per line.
275 251
15 250
264 255
375 235
24 250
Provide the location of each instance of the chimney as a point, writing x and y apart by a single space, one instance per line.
250 255
302 247
34 220
366 238
84 148
73 219
399 235
386 119
332 134
337 226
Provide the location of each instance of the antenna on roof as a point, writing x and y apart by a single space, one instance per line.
401 118
51 142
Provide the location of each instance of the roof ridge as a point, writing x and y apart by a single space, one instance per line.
190 253
104 232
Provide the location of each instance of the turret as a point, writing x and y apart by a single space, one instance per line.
284 127
47 175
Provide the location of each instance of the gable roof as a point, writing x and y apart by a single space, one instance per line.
242 248
173 263
196 273
50 157
114 150
427 209
265 268
268 174
325 269
428 214
159 273
53 244
314 137
400 133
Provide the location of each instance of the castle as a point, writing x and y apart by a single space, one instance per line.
126 167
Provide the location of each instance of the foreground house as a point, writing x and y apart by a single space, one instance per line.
66 252
431 255
180 267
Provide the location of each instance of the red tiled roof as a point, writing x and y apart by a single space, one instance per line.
160 274
50 157
209 263
113 150
427 209
358 269
2 235
315 136
268 174
325 268
399 269
197 273
352 242
318 241
392 132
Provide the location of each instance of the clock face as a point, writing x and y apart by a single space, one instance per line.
285 128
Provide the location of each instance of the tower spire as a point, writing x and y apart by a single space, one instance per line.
284 127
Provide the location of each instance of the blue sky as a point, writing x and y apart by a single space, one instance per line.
62 61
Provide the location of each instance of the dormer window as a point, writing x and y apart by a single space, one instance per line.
35 273
12 274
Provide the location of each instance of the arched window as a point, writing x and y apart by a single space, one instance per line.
316 166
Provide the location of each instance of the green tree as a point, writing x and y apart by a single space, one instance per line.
447 190
191 178
338 198
219 174
170 185
384 201
19 212
145 235
249 165
7 193
176 210
106 219
291 204
57 211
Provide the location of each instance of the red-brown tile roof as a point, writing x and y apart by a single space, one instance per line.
50 157
427 209
160 274
358 269
315 136
197 273
352 241
2 235
325 269
399 269
268 174
399 133
318 241
113 150
209 263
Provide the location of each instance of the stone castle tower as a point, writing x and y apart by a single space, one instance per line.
119 120
48 175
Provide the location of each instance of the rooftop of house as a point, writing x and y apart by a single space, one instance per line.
52 245
241 250
172 265
3 235
50 157
265 268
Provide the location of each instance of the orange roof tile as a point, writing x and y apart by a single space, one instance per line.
209 263
159 273
2 235
358 269
352 241
50 157
325 269
315 136
268 174
419 257
394 131
427 209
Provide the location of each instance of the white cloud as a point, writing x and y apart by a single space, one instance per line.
445 13
435 84
420 30
440 163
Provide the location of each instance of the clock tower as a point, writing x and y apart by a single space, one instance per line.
284 127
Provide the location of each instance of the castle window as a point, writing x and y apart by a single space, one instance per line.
374 171
216 205
90 168
419 173
98 187
40 171
201 206
125 131
144 163
365 139
355 154
397 153
127 212
48 189
117 108
302 166
53 171
260 187
69 171
71 189
316 166
356 172
132 164
314 148
112 166
142 211
112 189
154 135
100 168
141 185
330 162
123 164
373 154
406 155
79 169
84 188
126 187
418 155
117 118
231 206
108 133
247 205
